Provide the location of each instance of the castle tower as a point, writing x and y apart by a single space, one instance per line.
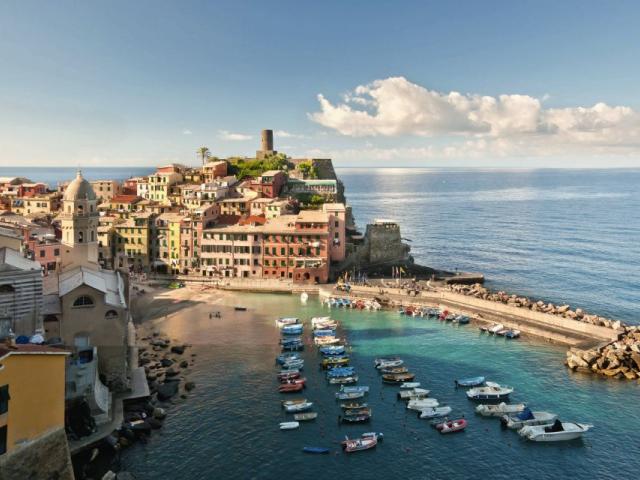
79 219
266 145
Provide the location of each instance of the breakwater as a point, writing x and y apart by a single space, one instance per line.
546 326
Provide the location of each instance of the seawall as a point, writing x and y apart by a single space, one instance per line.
552 328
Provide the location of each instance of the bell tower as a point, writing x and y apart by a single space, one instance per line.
79 219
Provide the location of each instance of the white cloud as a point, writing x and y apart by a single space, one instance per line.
285 134
235 137
186 131
506 125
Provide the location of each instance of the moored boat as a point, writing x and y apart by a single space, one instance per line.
293 329
357 388
488 410
470 381
511 334
352 412
422 404
287 403
452 426
434 412
326 340
381 360
289 425
358 418
394 370
332 349
343 380
528 418
353 405
341 372
557 432
298 407
397 377
293 381
281 322
317 450
334 361
410 385
492 391
495 328
291 387
389 364
289 375
305 417
349 395
413 394
359 444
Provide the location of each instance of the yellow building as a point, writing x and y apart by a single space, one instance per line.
45 204
32 393
131 240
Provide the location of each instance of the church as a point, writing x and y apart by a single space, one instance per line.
86 306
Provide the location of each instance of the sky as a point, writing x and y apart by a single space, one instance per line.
368 83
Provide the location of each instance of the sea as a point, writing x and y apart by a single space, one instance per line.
565 236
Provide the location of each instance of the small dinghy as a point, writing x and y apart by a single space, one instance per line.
358 388
527 418
452 426
332 350
492 391
293 381
511 334
413 394
435 412
293 374
324 333
334 362
343 380
341 372
295 329
326 340
389 364
353 405
317 450
461 319
381 360
349 395
357 411
287 403
298 407
487 410
291 387
398 377
305 417
365 442
495 328
422 404
410 385
281 322
470 381
394 370
289 425
558 432
359 418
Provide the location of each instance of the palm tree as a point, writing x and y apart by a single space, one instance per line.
204 154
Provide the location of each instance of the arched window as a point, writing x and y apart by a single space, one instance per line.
83 301
111 315
80 209
93 238
80 237
6 289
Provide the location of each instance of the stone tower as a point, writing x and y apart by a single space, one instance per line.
79 219
266 145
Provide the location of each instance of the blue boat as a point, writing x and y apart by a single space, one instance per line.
341 372
470 382
324 333
294 329
355 388
315 450
461 319
332 350
288 357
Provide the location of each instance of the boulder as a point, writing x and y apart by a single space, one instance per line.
178 349
563 309
166 362
168 389
184 364
188 386
109 476
172 371
159 413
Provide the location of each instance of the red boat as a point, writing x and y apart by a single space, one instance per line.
293 381
452 426
290 387
443 315
288 376
409 310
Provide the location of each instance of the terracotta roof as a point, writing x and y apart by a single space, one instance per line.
227 220
253 219
125 199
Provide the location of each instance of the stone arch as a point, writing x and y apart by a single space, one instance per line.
111 315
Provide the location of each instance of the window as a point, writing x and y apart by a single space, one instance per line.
4 399
56 252
83 301
42 253
111 315
3 440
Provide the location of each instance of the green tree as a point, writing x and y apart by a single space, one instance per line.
204 154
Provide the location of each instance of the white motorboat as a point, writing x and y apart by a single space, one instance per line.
378 361
558 432
435 412
281 322
389 364
410 385
316 320
298 407
527 418
491 391
495 328
421 404
289 425
326 340
488 410
413 394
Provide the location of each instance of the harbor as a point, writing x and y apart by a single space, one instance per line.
236 406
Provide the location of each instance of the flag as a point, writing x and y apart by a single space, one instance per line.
402 270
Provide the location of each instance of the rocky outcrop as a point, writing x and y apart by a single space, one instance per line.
617 359
479 291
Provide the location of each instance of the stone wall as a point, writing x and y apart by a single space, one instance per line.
384 244
43 459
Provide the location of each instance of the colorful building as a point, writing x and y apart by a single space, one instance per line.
270 183
32 387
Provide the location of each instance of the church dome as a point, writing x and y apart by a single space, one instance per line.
79 189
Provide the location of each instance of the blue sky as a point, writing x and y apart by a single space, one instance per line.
143 83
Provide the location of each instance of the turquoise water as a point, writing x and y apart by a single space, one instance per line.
229 428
